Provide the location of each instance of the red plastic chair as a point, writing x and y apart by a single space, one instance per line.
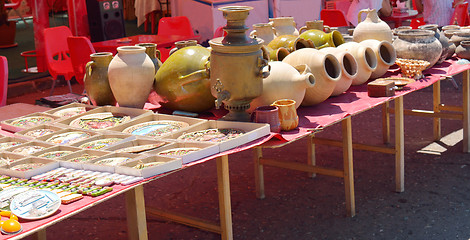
178 25
56 50
3 80
419 21
219 32
333 18
14 5
80 49
460 15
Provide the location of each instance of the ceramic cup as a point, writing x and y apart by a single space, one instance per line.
317 24
287 114
268 114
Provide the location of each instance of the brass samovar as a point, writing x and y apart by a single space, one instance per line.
236 65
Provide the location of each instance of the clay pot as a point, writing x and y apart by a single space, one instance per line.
287 114
287 44
445 42
462 35
365 58
348 69
418 44
317 25
396 30
321 39
284 26
450 27
267 114
385 53
463 50
284 81
183 44
372 27
153 53
131 75
326 69
183 81
264 31
449 33
96 79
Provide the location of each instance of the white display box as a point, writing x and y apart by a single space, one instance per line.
136 141
60 111
48 165
205 150
54 127
5 142
169 164
11 157
104 135
47 138
54 149
91 165
17 148
252 131
65 161
9 126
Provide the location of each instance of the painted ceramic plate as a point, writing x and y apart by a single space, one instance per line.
26 166
155 128
35 204
147 165
70 112
212 135
83 158
141 148
68 137
100 143
112 161
31 121
99 121
178 151
7 195
27 150
38 132
55 154
5 145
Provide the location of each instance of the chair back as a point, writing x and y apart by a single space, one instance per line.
219 32
333 18
13 4
460 16
57 52
178 25
3 80
80 49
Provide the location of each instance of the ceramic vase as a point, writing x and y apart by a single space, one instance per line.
463 50
365 58
183 82
96 79
131 75
153 53
324 66
264 31
460 35
284 26
385 53
182 44
282 45
348 69
317 25
446 48
372 27
418 44
321 39
284 81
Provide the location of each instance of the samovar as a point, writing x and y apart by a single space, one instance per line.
237 65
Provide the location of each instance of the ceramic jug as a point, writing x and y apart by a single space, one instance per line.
348 69
284 26
317 25
321 39
287 114
418 44
182 44
385 53
153 53
131 75
372 27
446 45
264 31
463 50
96 79
365 58
284 81
324 66
288 44
460 35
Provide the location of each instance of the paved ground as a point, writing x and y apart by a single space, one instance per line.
435 204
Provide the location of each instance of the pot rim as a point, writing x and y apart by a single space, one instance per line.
416 32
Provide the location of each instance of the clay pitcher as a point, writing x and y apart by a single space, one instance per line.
264 31
365 58
153 53
321 39
287 114
96 79
131 75
284 26
348 69
317 25
372 27
385 53
282 45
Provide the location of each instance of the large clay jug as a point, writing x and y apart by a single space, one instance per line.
365 58
264 31
284 26
372 27
183 82
385 53
286 44
284 81
321 39
96 79
348 69
153 53
418 44
326 69
446 45
131 75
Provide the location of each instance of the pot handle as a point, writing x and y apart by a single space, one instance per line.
359 15
304 28
262 62
194 77
88 69
158 54
253 34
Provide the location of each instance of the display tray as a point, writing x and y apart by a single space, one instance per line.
7 195
233 134
9 142
187 151
138 145
56 152
7 158
142 167
75 160
35 204
102 141
27 121
29 148
70 110
68 136
157 125
108 162
40 130
28 167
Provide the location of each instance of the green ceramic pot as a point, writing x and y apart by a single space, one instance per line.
321 39
183 81
96 79
286 44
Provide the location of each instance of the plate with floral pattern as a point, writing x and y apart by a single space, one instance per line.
26 166
70 112
55 154
38 132
84 158
32 121
155 128
212 135
113 161
178 151
5 145
140 148
99 121
68 137
147 165
100 143
28 150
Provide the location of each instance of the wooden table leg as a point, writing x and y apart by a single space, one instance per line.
311 154
399 146
40 235
259 173
225 209
136 219
466 110
348 166
386 123
436 93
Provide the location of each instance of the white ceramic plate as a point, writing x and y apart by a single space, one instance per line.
35 204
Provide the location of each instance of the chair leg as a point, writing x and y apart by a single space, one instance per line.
53 87
21 16
70 86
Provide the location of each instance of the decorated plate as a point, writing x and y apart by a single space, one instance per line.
112 161
4 145
7 195
99 121
26 166
84 158
178 151
212 135
35 204
147 165
55 154
28 150
100 143
38 132
31 121
68 137
70 112
141 148
155 128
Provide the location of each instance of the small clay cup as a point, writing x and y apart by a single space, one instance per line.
267 114
287 114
